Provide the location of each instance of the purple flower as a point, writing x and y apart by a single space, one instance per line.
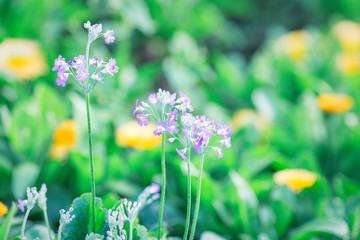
79 62
97 77
160 128
62 78
171 99
223 130
136 108
82 74
173 115
170 140
110 68
21 205
182 153
59 63
153 188
219 151
153 99
109 36
93 61
226 141
198 145
142 119
172 127
186 102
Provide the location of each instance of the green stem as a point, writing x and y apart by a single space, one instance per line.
47 223
187 224
24 223
163 185
59 233
197 203
130 230
91 163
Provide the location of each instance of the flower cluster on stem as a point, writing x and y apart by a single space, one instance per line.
34 197
65 218
87 72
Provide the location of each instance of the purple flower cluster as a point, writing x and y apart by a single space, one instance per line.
79 70
197 132
202 133
87 71
163 106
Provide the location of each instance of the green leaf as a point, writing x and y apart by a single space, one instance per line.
24 176
248 202
5 226
142 233
211 236
79 227
37 231
333 227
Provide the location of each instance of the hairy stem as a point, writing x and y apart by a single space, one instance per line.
197 203
187 223
47 223
91 163
24 223
163 185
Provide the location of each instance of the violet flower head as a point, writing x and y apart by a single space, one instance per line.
172 127
82 74
160 128
142 119
182 153
109 36
223 130
153 188
21 205
136 108
97 77
153 99
62 78
87 72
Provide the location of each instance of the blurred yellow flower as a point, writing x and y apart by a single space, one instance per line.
246 117
134 136
295 179
22 58
294 44
348 63
348 34
63 139
3 209
335 103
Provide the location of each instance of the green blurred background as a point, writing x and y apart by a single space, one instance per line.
259 66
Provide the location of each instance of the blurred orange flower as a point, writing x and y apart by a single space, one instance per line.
22 58
294 44
63 139
335 103
3 209
295 179
348 63
246 117
134 136
348 34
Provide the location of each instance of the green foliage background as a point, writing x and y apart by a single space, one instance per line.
220 53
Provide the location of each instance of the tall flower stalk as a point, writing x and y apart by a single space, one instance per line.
188 207
163 184
163 107
87 72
